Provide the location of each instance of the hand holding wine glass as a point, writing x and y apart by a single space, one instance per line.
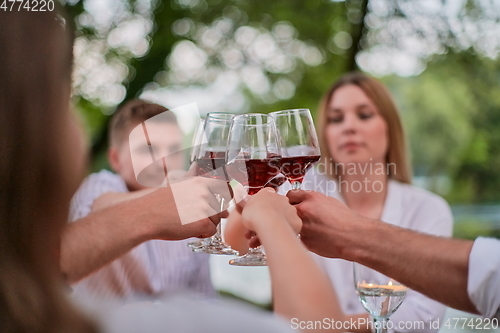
253 159
262 206
210 161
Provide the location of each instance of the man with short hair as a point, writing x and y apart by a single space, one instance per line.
156 267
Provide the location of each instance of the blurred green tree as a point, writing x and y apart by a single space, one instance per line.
300 34
452 115
275 55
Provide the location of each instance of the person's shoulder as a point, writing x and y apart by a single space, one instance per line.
418 194
104 179
423 210
103 175
422 200
92 187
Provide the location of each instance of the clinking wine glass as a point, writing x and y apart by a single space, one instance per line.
195 148
299 143
210 161
276 182
253 159
380 295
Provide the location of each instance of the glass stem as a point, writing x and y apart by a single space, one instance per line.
218 233
380 324
296 185
255 250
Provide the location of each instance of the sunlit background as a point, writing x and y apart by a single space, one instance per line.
438 57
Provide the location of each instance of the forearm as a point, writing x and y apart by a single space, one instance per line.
112 198
300 288
434 266
94 241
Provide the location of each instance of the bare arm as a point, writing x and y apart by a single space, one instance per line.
188 209
446 261
434 266
99 238
300 288
111 198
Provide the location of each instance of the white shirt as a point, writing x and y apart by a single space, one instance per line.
406 206
483 284
154 268
182 314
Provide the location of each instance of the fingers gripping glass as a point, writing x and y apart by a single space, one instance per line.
253 159
210 162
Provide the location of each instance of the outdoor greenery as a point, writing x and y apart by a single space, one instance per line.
438 57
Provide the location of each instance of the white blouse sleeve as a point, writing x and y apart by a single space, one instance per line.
483 284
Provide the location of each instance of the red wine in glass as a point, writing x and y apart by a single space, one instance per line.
253 159
254 174
295 167
299 143
212 165
260 172
276 182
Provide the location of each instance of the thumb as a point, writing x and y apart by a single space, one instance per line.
296 196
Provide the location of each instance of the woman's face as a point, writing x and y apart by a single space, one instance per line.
355 131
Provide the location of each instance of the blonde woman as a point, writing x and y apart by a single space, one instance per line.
365 166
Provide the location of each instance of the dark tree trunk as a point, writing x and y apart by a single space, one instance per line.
357 33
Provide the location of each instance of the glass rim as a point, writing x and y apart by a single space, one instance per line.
236 119
221 116
289 111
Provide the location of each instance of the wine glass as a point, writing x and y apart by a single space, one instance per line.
198 137
276 182
197 140
210 160
299 143
380 295
253 159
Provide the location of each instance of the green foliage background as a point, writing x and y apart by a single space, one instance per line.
450 108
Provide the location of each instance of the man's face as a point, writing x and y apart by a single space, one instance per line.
153 149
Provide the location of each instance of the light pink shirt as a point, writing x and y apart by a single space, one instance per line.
152 269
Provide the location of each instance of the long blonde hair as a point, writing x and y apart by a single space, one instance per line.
380 96
35 67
